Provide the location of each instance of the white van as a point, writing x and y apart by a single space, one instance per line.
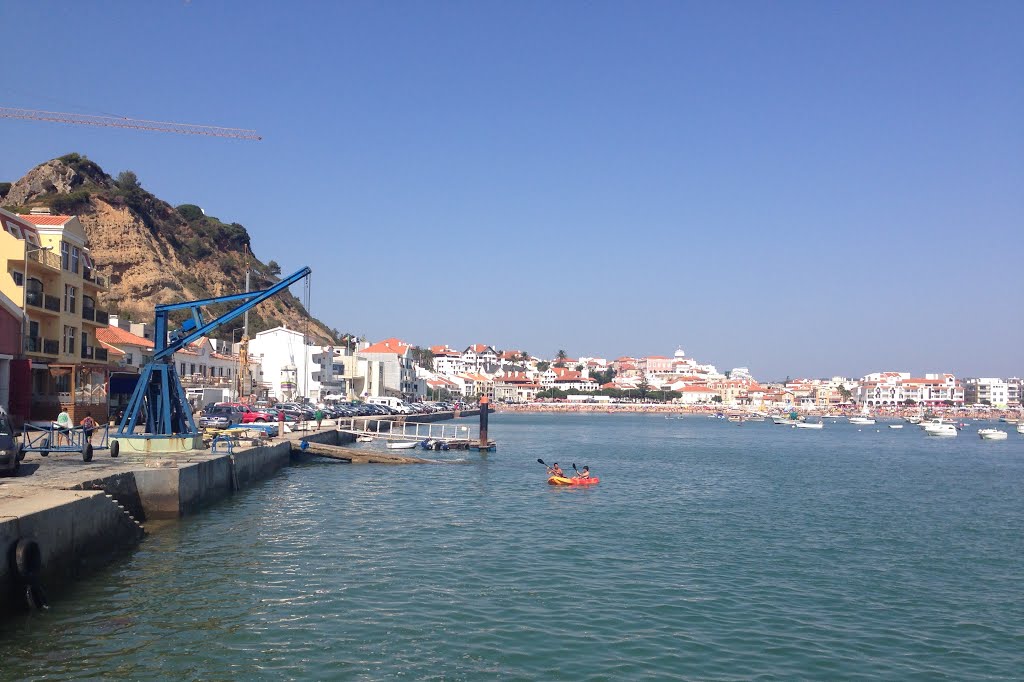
385 400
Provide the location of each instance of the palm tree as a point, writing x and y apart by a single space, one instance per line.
561 356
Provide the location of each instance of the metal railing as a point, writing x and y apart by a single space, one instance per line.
51 347
100 354
102 317
33 344
88 313
51 303
47 258
34 298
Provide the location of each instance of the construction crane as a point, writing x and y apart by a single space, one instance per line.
125 122
158 402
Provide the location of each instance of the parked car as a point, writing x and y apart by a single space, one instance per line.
250 414
221 417
11 453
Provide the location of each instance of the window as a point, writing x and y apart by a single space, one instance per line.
69 339
70 293
85 343
192 368
18 278
34 292
33 329
65 256
128 360
74 259
183 369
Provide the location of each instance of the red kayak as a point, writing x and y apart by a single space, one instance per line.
561 480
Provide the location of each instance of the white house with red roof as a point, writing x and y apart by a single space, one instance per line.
390 371
478 356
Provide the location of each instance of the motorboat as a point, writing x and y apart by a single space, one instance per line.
862 421
939 429
895 426
914 420
1020 427
991 434
809 425
402 444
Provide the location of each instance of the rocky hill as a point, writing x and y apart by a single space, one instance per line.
153 252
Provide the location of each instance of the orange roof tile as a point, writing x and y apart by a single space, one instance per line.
46 219
391 345
116 335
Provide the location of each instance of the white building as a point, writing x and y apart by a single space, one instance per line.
287 362
987 391
389 371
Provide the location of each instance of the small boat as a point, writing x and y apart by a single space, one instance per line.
735 418
862 421
402 444
575 480
809 425
991 434
940 429
364 439
1020 427
914 420
895 426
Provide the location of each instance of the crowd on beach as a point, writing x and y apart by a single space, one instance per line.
669 408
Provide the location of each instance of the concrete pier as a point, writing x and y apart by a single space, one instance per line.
79 514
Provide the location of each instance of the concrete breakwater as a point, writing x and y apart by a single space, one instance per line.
63 517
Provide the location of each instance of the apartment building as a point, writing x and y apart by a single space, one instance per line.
46 267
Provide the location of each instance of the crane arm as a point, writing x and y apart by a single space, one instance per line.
195 327
125 122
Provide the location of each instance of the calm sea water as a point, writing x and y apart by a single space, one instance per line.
708 551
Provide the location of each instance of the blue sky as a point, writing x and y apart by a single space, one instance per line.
804 188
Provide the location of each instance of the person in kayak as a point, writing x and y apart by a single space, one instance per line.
585 473
556 470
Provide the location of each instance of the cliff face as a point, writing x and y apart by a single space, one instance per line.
152 252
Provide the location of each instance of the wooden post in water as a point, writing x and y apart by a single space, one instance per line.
484 409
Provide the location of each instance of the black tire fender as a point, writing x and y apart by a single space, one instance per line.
87 452
115 448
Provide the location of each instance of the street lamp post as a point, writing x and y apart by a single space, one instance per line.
24 294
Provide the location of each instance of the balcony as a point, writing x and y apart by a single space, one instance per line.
45 258
51 303
51 347
90 276
101 317
87 352
100 354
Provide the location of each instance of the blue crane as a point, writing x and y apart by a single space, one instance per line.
158 403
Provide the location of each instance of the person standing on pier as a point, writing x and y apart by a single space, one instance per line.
319 417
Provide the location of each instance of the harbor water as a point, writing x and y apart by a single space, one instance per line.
709 550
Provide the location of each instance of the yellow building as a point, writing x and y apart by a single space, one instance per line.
46 267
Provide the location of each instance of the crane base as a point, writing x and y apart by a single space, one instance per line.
155 445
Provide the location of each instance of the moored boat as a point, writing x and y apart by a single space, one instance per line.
1020 428
895 426
939 429
991 434
809 425
402 444
863 421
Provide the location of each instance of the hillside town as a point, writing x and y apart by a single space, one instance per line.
60 350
